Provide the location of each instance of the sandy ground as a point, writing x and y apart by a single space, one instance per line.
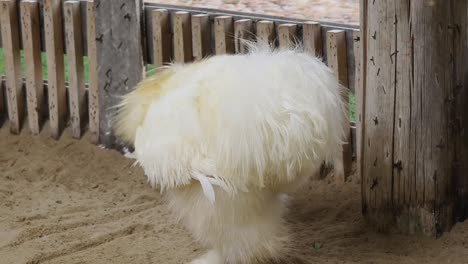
69 201
339 11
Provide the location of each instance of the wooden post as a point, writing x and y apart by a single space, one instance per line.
11 51
119 57
287 35
33 64
266 33
93 93
414 162
182 37
312 38
162 38
337 61
359 95
224 35
242 32
55 66
201 36
76 88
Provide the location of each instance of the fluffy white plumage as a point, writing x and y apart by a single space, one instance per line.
227 136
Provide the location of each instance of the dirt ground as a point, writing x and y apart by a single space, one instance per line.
69 201
338 11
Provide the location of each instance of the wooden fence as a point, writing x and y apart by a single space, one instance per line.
150 34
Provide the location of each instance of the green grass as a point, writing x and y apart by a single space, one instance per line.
44 65
149 69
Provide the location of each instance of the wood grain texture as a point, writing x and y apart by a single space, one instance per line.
93 91
287 35
243 31
337 61
460 94
312 38
359 96
55 66
76 88
119 56
412 126
201 36
266 33
224 35
33 65
162 37
11 51
182 37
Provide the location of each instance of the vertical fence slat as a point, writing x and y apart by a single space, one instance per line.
201 36
224 35
337 61
11 51
76 89
55 65
161 24
93 95
120 59
242 31
266 32
358 92
182 37
33 64
312 38
287 35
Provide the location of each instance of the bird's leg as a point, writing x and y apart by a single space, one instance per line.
210 257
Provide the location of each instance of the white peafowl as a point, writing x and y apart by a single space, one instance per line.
228 137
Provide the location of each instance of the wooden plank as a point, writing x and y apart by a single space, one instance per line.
161 25
287 35
461 51
337 61
201 36
55 66
266 33
312 38
33 64
76 90
120 58
93 93
182 37
224 35
243 31
11 52
358 92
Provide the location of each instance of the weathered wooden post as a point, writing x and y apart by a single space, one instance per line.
119 57
415 116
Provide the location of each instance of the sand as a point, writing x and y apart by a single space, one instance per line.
338 11
69 201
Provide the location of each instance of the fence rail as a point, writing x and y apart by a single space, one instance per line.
168 33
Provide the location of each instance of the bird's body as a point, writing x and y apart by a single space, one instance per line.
228 136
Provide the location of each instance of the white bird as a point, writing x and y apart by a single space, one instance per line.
227 137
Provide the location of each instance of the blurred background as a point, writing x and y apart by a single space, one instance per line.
339 11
